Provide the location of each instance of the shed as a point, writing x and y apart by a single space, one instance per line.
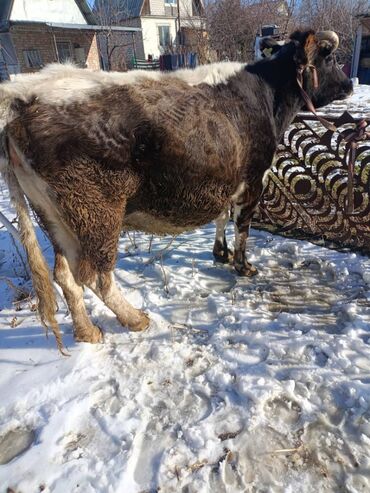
34 33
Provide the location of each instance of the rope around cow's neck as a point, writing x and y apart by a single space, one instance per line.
306 97
351 139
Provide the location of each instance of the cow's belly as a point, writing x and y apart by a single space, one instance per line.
149 223
178 208
160 223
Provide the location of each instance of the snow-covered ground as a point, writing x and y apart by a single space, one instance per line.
239 385
358 104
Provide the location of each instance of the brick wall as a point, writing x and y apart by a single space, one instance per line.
43 38
93 57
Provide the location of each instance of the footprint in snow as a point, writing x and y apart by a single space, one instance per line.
245 354
283 412
14 443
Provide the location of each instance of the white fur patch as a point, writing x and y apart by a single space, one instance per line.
60 84
241 188
212 74
221 223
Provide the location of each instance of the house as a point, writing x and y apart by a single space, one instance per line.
360 66
167 25
34 33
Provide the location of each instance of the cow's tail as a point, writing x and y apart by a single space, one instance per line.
40 272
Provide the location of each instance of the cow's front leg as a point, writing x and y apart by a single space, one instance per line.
243 212
220 251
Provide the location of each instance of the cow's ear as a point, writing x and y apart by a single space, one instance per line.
309 45
268 42
270 46
325 49
327 42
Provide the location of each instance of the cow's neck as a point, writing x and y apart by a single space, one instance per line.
279 75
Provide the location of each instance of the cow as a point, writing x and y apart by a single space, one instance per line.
94 153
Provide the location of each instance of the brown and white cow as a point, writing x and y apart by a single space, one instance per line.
95 152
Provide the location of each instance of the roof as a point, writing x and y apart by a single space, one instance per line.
5 10
7 5
128 9
268 8
365 21
125 8
86 11
91 27
267 3
133 7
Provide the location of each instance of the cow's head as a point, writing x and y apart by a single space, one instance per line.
316 51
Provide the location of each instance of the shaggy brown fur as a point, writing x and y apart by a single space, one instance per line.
159 156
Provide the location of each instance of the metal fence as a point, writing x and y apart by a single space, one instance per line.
307 189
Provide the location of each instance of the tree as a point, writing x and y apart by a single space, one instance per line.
110 13
229 31
193 28
334 15
233 24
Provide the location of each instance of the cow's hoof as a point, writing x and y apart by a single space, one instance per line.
222 258
246 270
90 334
142 324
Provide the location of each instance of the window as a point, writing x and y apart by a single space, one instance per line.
32 58
64 51
170 8
164 36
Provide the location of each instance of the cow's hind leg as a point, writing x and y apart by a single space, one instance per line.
106 288
84 330
221 252
95 270
95 218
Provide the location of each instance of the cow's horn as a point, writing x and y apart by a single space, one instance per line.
330 36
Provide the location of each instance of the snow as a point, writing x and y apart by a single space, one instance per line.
239 385
358 104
